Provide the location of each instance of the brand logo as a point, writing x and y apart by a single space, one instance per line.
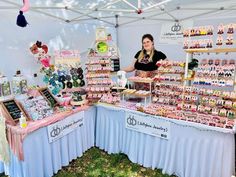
131 121
55 131
176 27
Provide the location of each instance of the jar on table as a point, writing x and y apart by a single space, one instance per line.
5 88
19 84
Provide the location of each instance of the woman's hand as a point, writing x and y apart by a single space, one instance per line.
130 68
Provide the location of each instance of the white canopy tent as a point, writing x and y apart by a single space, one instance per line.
123 12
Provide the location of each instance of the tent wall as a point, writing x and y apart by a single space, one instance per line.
16 41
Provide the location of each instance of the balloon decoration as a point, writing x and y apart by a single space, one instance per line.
60 76
21 21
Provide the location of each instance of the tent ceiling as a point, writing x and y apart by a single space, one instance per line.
126 11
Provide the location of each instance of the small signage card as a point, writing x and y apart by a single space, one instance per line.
49 97
12 109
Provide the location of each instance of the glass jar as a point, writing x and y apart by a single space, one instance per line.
19 84
5 89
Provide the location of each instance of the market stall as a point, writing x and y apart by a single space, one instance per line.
179 117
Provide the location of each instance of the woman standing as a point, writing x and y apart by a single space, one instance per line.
145 60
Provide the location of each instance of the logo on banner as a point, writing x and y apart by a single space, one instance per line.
55 131
131 120
176 27
148 125
172 33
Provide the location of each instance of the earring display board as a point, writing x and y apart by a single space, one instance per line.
12 110
67 63
49 97
115 59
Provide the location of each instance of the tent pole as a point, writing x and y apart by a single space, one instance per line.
117 26
93 17
169 14
155 5
209 12
110 3
139 4
95 9
133 21
118 10
131 5
161 13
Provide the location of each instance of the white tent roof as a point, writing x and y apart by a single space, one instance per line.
123 12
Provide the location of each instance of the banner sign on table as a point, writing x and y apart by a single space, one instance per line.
65 126
148 125
172 33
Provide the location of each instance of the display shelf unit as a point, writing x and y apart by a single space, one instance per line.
171 75
145 81
137 93
97 68
191 52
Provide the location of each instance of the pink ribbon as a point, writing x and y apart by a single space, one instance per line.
25 6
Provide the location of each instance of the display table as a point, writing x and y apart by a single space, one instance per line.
42 159
191 151
2 170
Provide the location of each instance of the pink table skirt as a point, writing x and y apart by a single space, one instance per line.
16 134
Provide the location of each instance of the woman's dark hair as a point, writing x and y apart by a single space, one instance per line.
149 36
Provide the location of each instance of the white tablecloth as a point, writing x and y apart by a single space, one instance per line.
190 151
43 159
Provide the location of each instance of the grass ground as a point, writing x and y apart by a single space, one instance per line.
97 163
